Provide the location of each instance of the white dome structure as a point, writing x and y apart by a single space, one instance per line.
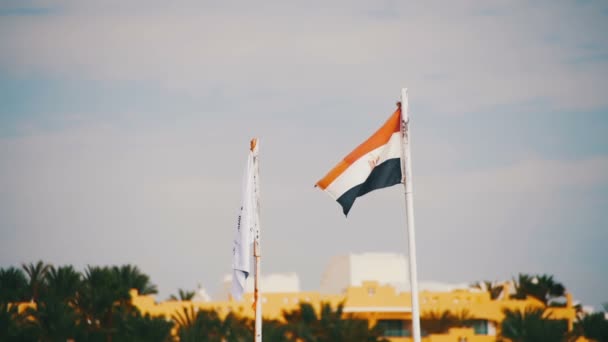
386 268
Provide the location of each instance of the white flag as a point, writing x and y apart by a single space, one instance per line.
247 228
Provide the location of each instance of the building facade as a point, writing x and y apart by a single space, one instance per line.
380 305
374 287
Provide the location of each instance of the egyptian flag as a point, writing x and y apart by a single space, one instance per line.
373 165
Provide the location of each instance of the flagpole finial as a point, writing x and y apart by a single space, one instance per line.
253 143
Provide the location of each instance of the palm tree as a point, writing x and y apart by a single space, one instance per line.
55 316
206 325
359 330
131 277
532 325
464 318
185 318
438 322
36 274
275 331
541 287
330 325
152 329
55 320
236 328
593 326
300 323
63 283
335 326
135 327
493 288
183 295
15 326
12 285
189 326
102 293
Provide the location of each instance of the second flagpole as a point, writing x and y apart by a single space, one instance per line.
406 167
256 243
257 301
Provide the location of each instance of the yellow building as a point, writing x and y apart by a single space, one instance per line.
382 305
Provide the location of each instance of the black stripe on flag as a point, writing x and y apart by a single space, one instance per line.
382 176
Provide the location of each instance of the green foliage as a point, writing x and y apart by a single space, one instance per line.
54 320
62 283
130 277
14 327
330 325
464 318
302 323
438 322
236 328
541 287
36 277
96 306
12 285
275 331
494 289
593 326
206 326
100 290
182 295
135 327
532 325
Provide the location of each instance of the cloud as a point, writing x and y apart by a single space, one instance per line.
531 177
484 60
24 11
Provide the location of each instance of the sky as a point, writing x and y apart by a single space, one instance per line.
124 129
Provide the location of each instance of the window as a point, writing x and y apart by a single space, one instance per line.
480 326
394 327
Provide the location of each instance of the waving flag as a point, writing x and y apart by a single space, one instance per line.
375 164
247 228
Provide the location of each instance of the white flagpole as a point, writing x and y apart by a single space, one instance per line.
256 243
258 302
406 166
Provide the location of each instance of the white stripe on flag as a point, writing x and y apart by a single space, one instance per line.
358 171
